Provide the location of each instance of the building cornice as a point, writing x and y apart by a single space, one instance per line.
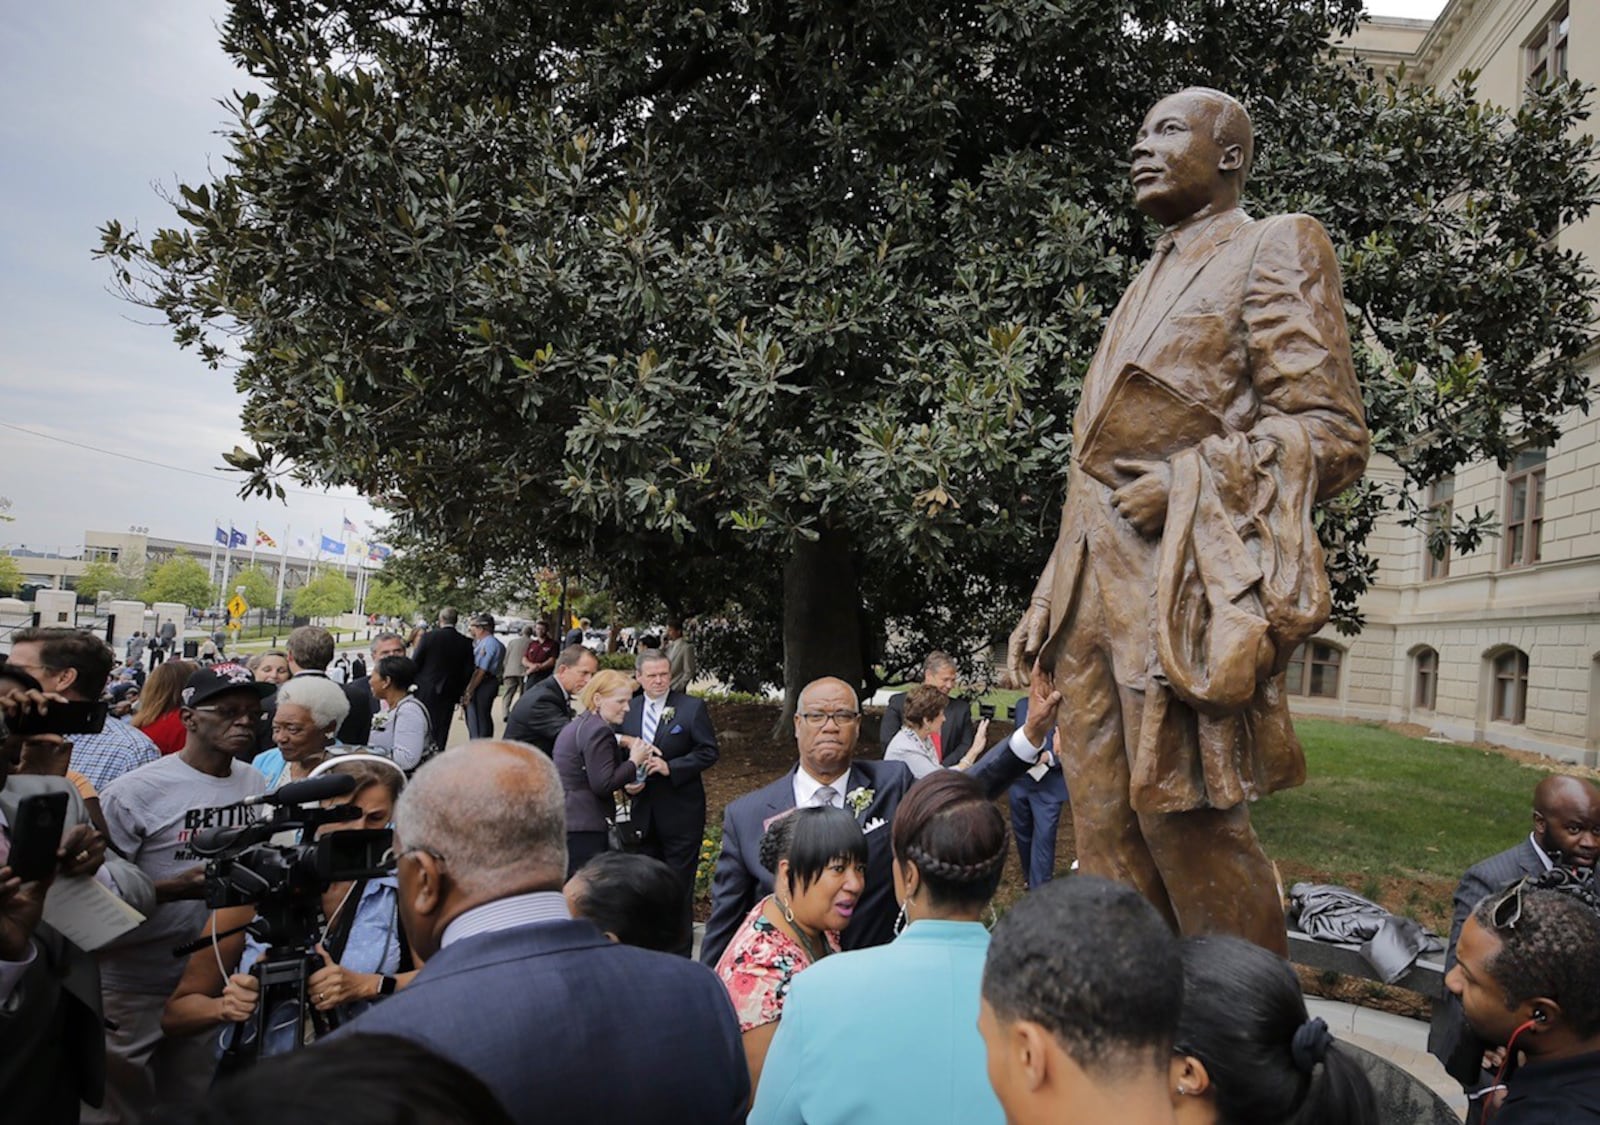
1443 32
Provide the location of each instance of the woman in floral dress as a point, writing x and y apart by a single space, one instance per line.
819 858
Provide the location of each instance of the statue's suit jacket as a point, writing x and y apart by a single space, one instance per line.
1246 318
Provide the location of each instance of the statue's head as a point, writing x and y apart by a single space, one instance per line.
1192 154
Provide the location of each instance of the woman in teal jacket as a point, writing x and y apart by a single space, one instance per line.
890 1034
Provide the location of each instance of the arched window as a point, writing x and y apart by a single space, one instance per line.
1427 678
1509 701
1314 670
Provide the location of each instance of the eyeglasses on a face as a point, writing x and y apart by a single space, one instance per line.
820 718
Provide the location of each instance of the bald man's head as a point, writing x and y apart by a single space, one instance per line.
1566 818
484 822
827 724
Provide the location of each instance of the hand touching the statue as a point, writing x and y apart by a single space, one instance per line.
1026 641
1043 702
1143 501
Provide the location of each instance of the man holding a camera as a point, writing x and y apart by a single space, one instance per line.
52 1049
152 813
76 665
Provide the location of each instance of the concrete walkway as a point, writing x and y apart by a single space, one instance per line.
1402 1041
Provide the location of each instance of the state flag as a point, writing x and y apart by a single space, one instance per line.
263 539
332 546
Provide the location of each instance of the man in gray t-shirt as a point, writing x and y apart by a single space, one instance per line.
151 813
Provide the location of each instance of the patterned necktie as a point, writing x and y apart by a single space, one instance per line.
652 716
823 797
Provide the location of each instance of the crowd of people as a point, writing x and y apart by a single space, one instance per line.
528 952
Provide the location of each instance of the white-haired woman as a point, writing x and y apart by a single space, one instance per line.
305 723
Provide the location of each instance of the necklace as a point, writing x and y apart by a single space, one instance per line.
800 933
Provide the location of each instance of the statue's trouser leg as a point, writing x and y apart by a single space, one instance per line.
1218 879
1094 759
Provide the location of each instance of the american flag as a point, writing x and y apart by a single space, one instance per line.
349 528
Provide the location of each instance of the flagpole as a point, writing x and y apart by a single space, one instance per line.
255 535
227 567
283 569
211 567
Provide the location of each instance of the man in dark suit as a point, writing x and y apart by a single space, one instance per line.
559 1022
670 812
359 689
444 665
1036 801
827 723
547 706
1566 833
954 738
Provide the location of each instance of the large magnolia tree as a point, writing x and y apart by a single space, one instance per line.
781 308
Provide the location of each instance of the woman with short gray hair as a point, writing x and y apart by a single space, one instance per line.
304 725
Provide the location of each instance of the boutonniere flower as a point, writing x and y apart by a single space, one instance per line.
859 799
667 713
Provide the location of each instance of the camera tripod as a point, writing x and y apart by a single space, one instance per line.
282 974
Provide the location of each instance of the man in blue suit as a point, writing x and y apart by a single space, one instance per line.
559 1022
1036 800
670 812
827 724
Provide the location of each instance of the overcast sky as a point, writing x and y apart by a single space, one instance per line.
101 100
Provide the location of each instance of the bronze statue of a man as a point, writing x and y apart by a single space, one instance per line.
1220 406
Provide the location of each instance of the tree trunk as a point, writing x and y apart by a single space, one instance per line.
821 619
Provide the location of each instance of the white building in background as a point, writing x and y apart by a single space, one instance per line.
139 551
1501 645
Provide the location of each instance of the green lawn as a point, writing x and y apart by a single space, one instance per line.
1379 802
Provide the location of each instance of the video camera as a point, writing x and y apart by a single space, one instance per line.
285 881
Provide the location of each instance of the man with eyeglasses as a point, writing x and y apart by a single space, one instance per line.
151 813
827 726
76 665
1566 833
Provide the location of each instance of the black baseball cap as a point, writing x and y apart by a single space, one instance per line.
213 681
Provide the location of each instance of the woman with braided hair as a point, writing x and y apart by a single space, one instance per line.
1248 1053
890 1034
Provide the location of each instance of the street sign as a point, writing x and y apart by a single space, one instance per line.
237 606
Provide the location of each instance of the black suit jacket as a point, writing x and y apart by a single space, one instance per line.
357 726
564 1025
1450 1040
539 715
740 881
675 803
444 664
955 736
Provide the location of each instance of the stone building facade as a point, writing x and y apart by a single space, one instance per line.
1502 644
